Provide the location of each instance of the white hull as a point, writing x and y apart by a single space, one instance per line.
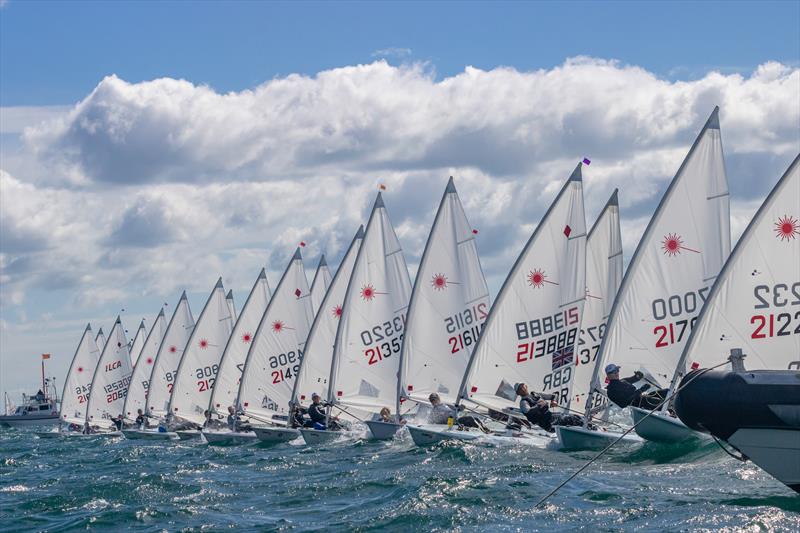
229 438
428 434
315 437
661 427
149 434
777 451
28 421
276 435
382 430
579 438
189 434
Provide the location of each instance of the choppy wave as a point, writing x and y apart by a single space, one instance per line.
70 484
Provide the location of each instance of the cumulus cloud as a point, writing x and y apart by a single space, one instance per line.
142 189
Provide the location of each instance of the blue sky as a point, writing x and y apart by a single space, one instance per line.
150 147
56 52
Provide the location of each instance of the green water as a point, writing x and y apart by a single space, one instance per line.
77 484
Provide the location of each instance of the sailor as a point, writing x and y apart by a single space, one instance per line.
232 418
623 393
39 396
386 415
141 420
442 412
536 408
316 412
118 422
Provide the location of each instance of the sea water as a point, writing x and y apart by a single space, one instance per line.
362 485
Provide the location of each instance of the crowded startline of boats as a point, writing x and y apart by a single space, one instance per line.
363 347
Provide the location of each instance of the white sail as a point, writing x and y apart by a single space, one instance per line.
320 284
140 378
79 379
111 378
368 340
674 265
138 342
449 304
194 379
226 384
231 305
532 328
755 303
603 277
100 340
315 368
165 366
274 356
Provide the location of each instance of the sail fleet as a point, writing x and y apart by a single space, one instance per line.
375 348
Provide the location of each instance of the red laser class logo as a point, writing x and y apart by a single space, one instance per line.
439 282
672 245
787 228
537 278
247 337
149 360
368 293
173 349
203 343
337 311
278 326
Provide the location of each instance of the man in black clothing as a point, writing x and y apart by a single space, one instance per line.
623 393
141 420
536 408
118 422
316 412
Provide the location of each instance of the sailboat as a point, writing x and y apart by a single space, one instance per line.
449 304
226 384
276 351
165 364
752 319
77 384
138 343
367 347
315 368
320 283
532 328
100 340
668 278
197 369
231 306
136 399
603 276
109 384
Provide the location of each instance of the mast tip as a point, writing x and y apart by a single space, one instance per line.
322 261
229 296
713 120
219 283
576 174
614 200
263 273
378 201
297 254
451 187
360 232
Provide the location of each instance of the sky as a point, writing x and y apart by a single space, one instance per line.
147 148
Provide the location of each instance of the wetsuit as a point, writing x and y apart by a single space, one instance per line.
316 412
141 421
118 423
542 416
623 393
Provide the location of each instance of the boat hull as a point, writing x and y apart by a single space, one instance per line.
189 434
276 435
756 412
580 438
315 437
229 438
12 421
382 430
661 427
149 434
429 434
